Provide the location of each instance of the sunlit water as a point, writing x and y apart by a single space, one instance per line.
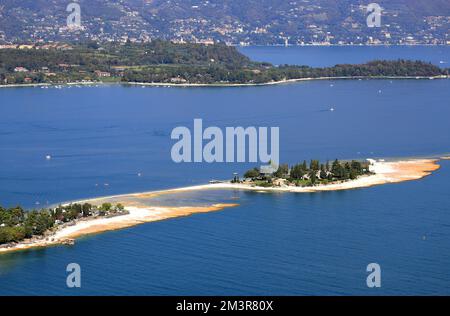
112 140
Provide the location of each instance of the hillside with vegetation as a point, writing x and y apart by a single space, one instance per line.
257 22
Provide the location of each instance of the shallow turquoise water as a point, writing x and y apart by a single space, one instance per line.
270 244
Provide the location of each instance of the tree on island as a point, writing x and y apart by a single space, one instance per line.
298 171
17 224
252 173
316 173
283 171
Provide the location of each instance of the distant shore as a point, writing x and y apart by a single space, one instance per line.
193 85
270 83
384 172
32 85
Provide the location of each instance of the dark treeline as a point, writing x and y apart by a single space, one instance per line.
265 74
16 224
166 62
314 173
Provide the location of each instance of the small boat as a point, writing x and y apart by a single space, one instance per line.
48 157
332 110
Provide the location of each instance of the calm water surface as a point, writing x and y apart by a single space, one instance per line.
324 56
101 138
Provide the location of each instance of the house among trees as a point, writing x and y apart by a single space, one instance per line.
21 69
102 74
303 174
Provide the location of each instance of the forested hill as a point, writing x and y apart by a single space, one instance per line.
167 62
92 55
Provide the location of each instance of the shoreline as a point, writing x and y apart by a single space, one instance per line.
90 226
386 172
271 83
222 85
341 45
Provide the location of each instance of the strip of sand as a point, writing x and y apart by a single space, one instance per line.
136 216
385 172
270 83
224 84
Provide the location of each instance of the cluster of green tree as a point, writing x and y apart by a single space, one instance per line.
265 73
312 174
377 68
82 60
17 224
167 62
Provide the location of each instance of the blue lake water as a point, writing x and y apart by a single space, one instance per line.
325 56
101 138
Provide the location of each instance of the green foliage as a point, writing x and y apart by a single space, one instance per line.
252 173
16 224
11 234
282 171
298 171
263 184
167 62
316 173
105 207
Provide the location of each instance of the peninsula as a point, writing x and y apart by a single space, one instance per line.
181 64
20 230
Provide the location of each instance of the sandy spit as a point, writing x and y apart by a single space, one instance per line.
385 172
136 216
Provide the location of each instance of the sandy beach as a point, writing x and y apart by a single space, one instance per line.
193 85
136 216
270 83
385 172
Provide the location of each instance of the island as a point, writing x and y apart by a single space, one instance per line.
180 64
304 175
21 230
